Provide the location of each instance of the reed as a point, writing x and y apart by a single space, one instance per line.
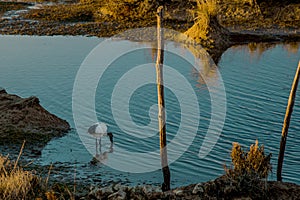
15 183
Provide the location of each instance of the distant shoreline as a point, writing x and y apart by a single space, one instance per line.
239 32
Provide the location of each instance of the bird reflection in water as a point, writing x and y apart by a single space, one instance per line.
99 130
101 158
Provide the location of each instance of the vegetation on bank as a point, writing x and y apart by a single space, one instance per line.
206 21
237 12
215 24
246 13
96 11
6 6
249 169
17 183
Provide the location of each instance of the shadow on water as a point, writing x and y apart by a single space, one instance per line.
101 157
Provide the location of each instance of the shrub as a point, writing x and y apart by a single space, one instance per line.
245 179
252 162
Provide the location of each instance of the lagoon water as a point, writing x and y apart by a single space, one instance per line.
257 83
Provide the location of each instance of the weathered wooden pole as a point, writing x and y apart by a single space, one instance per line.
286 123
161 100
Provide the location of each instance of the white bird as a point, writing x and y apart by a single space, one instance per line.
99 130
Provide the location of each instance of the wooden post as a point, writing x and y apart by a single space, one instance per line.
161 100
286 123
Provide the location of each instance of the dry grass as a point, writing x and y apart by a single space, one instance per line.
96 10
15 183
128 10
6 6
207 30
248 172
254 161
64 13
206 9
251 14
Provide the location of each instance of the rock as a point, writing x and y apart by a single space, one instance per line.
156 189
25 118
150 189
107 190
2 91
164 195
228 189
147 189
101 193
198 189
136 193
178 192
120 195
118 187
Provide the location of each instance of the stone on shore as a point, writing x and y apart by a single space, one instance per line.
25 119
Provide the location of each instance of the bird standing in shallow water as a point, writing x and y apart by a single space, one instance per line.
99 130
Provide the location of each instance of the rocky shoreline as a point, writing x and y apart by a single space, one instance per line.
25 119
215 189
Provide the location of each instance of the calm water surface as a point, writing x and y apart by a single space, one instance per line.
257 82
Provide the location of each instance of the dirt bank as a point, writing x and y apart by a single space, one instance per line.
246 22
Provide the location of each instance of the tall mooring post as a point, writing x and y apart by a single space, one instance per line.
161 100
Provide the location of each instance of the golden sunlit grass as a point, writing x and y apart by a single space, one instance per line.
254 161
6 6
67 13
207 30
95 10
249 168
206 9
127 9
15 183
240 12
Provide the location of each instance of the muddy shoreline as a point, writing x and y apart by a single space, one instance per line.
237 32
237 36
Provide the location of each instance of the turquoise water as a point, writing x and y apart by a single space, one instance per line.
257 85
